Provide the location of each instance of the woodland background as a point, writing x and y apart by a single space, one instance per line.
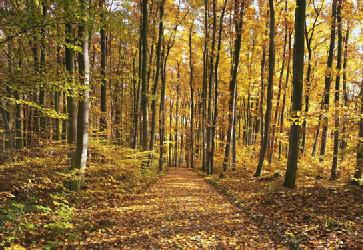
99 98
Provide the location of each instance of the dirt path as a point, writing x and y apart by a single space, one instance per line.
180 211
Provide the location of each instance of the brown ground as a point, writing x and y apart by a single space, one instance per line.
318 214
180 211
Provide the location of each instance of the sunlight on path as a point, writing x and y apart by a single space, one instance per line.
180 211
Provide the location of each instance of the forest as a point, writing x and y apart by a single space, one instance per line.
181 124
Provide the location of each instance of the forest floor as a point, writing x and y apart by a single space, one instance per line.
318 214
122 205
180 211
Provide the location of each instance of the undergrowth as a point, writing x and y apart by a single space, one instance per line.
37 204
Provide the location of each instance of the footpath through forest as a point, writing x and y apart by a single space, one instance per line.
182 211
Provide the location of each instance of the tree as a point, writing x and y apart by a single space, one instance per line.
334 173
80 157
328 80
191 84
71 103
157 74
103 120
271 72
239 10
144 88
298 74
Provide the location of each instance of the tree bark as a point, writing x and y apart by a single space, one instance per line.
271 72
103 118
71 103
239 11
334 172
328 80
157 75
191 84
144 88
298 74
80 157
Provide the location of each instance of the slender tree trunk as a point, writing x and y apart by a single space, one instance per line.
234 132
239 11
275 120
359 165
269 90
80 157
56 132
42 118
162 110
328 79
136 94
71 103
6 123
157 75
334 172
144 88
298 74
204 90
282 115
191 84
344 141
216 65
170 148
103 118
210 90
308 37
176 135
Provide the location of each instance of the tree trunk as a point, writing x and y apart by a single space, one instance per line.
191 84
80 157
56 132
334 172
204 90
144 89
275 120
216 65
71 103
298 74
157 75
42 118
328 79
162 110
269 90
239 11
103 118
176 135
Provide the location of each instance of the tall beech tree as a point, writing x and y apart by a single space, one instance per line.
334 173
238 22
157 74
103 96
271 72
191 84
144 85
328 80
298 75
80 157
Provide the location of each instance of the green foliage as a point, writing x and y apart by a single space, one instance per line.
51 113
62 218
